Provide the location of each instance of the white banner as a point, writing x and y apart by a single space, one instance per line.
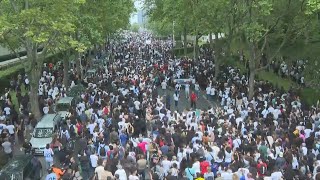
184 81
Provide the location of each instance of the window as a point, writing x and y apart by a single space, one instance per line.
63 107
43 132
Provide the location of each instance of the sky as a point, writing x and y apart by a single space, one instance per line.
138 4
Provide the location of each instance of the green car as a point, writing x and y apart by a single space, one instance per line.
22 167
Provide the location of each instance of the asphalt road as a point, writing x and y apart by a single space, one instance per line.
202 103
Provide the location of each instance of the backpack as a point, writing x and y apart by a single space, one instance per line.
111 154
245 143
211 178
214 168
64 139
242 177
72 131
263 169
109 122
70 145
102 151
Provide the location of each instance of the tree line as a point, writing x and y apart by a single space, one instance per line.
260 30
69 26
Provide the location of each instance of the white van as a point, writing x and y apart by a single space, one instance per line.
43 132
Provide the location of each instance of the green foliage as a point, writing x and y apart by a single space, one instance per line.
313 6
160 28
180 51
76 90
135 27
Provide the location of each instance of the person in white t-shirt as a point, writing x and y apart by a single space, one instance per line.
208 90
276 174
166 164
48 155
212 92
120 173
94 160
187 90
91 127
26 83
10 128
45 109
7 110
176 99
164 85
134 176
197 88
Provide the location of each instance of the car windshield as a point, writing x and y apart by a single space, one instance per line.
43 132
63 107
90 73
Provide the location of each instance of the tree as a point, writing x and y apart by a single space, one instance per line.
35 24
165 12
221 18
94 21
266 21
135 27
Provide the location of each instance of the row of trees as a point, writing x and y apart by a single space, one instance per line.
256 28
69 26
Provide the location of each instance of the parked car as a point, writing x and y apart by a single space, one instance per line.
44 131
91 73
21 167
63 105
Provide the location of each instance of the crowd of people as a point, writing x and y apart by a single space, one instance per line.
131 122
295 71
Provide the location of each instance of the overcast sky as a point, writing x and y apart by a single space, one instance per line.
138 4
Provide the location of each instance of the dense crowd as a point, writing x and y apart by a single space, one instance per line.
130 122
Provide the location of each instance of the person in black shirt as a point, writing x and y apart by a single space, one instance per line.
27 147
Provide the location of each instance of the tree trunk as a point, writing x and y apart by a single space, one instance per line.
217 56
197 47
78 64
66 70
34 73
252 69
185 40
211 41
95 50
251 83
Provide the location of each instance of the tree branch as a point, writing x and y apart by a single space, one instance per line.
270 29
11 48
274 54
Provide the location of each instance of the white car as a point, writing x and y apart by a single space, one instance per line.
63 105
43 132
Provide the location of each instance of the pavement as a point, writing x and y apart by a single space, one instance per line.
202 102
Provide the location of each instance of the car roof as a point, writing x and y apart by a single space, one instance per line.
15 165
65 100
92 70
46 121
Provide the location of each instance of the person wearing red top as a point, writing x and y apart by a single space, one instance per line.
261 168
142 145
204 165
193 99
